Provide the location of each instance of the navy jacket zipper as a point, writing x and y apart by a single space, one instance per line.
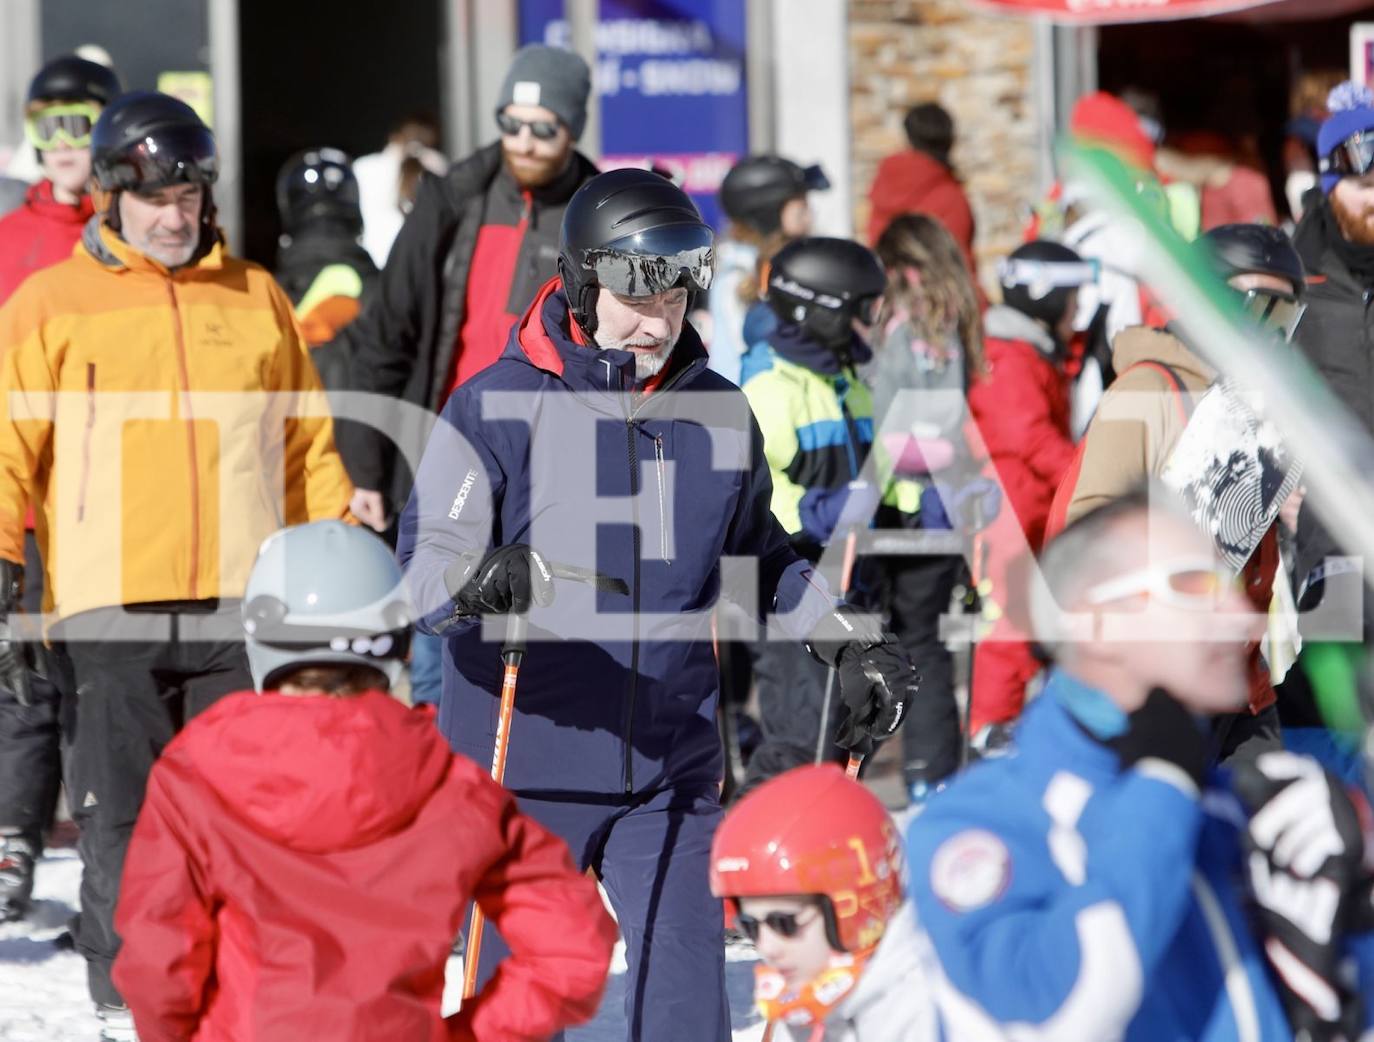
631 430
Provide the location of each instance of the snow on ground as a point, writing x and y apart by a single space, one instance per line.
43 987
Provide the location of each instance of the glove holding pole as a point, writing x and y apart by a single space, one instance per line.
507 579
14 667
877 680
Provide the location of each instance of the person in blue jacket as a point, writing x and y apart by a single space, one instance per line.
601 443
1096 884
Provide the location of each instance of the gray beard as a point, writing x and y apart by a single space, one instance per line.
647 366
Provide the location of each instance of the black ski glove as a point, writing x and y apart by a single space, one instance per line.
1305 855
1163 730
14 660
509 579
877 680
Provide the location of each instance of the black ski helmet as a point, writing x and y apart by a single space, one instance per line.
70 78
315 185
146 140
633 233
823 285
1038 277
1254 249
757 187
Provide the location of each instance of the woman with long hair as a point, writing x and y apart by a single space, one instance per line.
929 341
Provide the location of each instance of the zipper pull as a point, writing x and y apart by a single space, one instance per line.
662 501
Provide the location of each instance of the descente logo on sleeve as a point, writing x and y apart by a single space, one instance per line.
460 500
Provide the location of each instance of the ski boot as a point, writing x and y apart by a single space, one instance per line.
17 854
116 1023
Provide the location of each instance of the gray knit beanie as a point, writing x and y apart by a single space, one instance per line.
551 77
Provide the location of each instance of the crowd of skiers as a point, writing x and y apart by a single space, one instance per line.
273 845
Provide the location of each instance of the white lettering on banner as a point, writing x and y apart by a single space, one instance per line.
639 36
694 77
700 173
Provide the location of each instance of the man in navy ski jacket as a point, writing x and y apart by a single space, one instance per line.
596 442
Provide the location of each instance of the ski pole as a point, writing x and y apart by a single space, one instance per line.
851 542
512 654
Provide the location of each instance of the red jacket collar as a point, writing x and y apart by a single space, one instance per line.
41 201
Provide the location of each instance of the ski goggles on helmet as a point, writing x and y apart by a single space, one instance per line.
266 621
784 924
655 261
543 129
64 125
1043 277
1279 311
1353 157
165 156
1191 583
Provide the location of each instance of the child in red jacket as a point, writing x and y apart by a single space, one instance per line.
303 859
1021 406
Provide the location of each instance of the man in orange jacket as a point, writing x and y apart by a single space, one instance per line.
322 823
63 102
149 386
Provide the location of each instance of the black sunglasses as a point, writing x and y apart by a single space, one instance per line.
543 129
784 924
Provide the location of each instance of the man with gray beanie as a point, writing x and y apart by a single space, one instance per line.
472 254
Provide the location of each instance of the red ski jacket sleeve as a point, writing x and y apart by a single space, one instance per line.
166 975
1020 412
558 931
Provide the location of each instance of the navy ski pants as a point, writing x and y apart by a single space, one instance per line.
652 854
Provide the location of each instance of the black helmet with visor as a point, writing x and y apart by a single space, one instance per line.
1233 250
825 285
146 140
635 234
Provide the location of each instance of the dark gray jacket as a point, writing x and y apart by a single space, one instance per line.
402 344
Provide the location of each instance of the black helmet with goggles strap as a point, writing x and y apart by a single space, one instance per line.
1236 250
146 140
824 285
634 233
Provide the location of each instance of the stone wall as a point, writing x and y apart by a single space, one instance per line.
902 52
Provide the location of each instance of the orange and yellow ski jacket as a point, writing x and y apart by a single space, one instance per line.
161 423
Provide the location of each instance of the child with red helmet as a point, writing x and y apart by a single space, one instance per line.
810 867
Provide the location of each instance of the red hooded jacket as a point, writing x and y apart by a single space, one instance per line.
300 870
913 182
38 234
1021 405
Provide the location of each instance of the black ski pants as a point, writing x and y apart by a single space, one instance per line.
133 693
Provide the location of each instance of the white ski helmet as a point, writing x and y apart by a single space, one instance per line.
325 593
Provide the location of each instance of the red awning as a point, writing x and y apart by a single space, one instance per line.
1112 12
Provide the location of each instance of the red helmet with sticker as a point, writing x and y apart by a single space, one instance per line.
815 831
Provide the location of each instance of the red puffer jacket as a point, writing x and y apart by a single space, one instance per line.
38 234
300 870
1021 406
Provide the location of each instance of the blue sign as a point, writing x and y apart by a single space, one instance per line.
670 75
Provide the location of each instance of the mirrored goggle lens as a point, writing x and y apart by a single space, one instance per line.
188 158
784 924
1351 158
866 310
1281 312
1201 583
637 275
544 130
68 125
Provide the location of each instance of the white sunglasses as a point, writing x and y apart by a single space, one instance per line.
1187 583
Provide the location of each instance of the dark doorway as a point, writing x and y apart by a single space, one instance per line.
340 74
1230 76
